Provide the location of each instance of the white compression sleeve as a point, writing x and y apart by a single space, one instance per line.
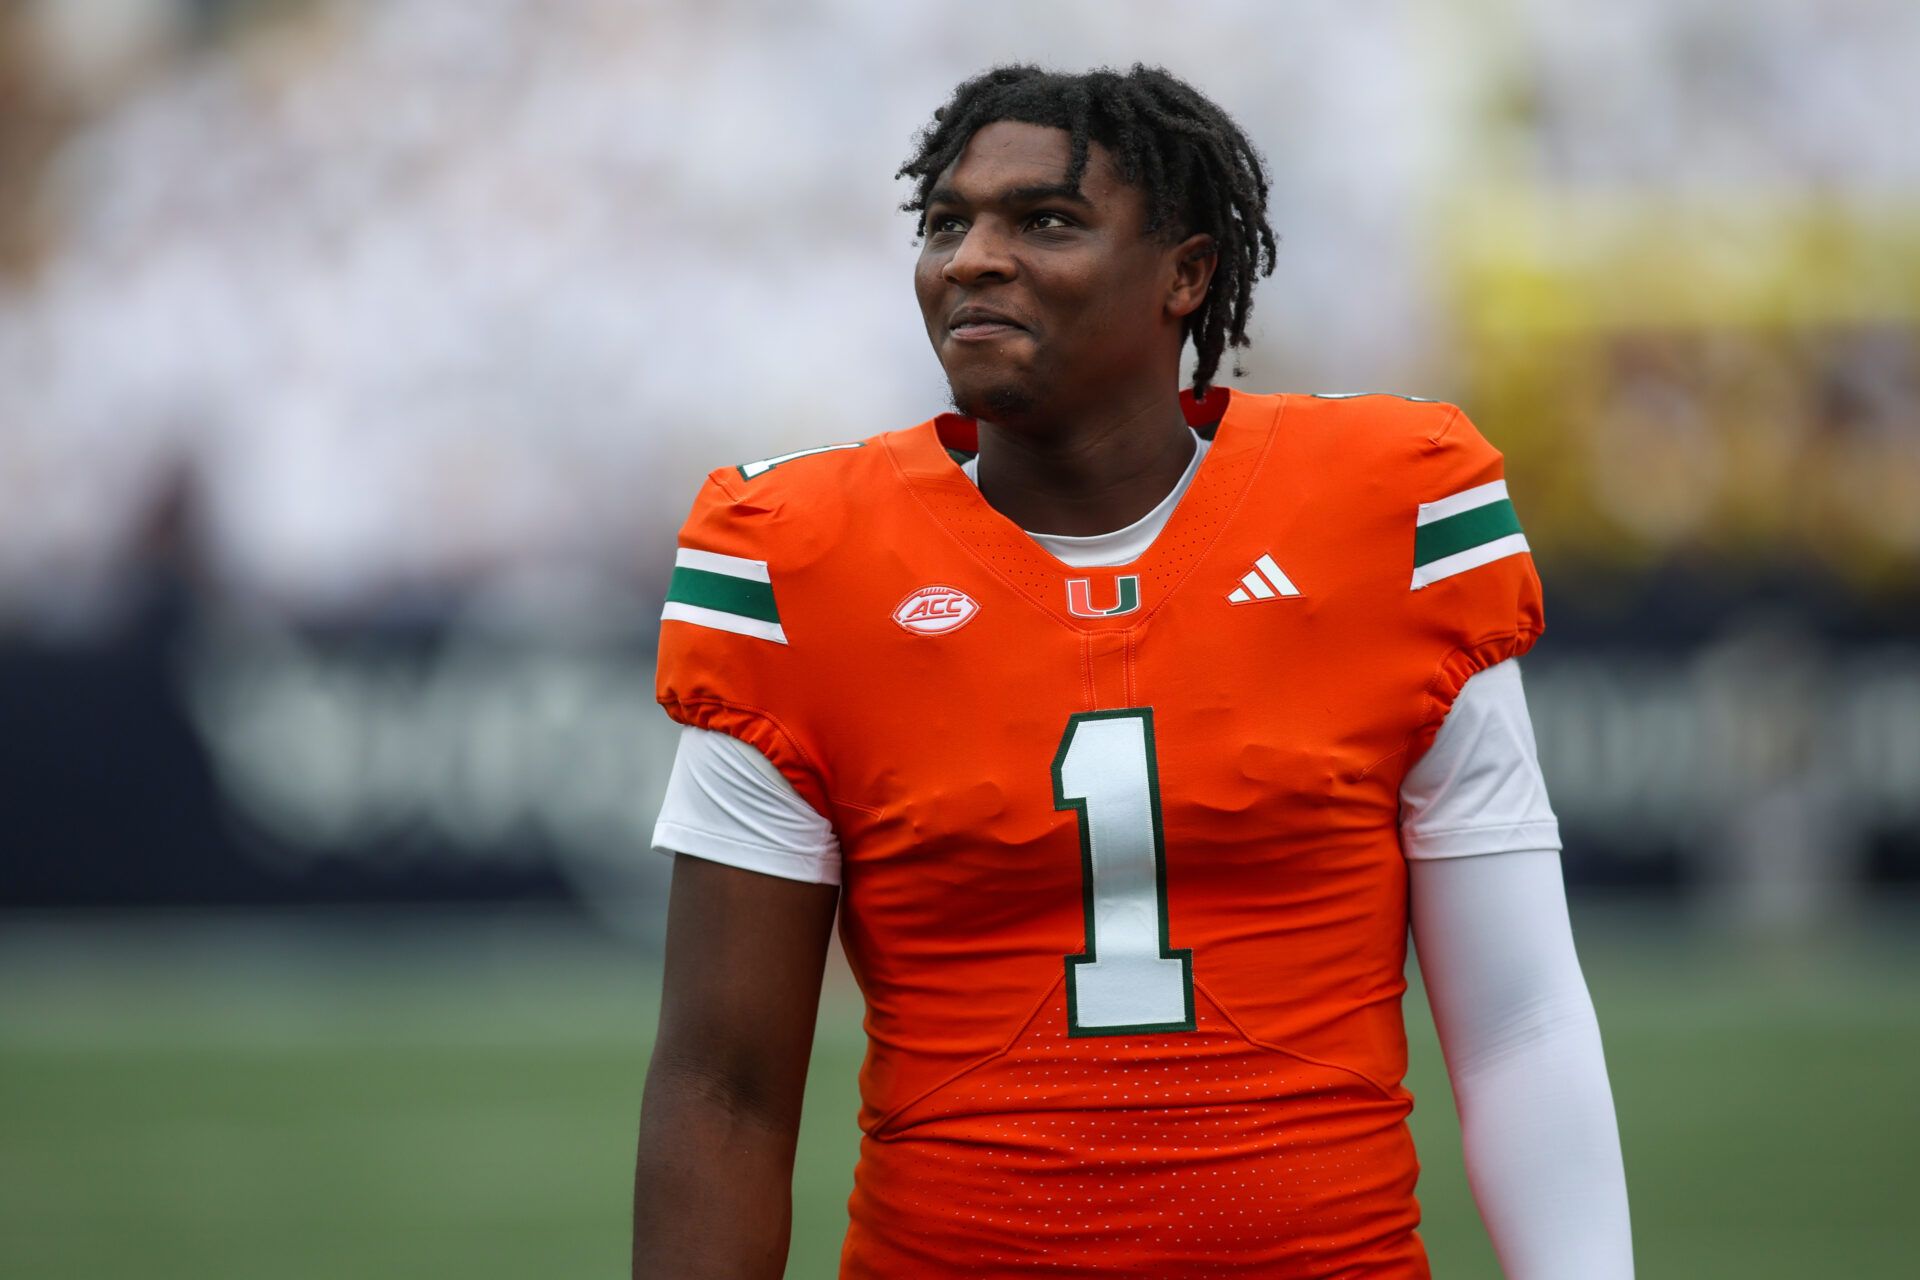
1523 1050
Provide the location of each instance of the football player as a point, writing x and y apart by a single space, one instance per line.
1127 730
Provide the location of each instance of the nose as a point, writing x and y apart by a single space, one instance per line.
983 254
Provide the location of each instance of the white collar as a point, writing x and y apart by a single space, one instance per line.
1122 546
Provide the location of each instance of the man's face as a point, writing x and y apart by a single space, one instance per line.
1037 297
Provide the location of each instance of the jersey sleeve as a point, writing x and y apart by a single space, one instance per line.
1471 578
728 662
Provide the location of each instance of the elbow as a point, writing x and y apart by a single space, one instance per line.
1552 1026
738 1086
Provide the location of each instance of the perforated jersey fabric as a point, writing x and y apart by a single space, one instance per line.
1120 854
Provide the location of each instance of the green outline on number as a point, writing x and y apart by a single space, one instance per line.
1167 950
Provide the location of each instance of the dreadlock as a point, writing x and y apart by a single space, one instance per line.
1199 172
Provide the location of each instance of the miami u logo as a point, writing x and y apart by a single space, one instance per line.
1126 590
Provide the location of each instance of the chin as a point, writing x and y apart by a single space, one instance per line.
998 402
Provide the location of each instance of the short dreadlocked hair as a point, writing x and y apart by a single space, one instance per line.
1199 172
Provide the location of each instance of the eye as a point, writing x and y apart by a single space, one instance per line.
1048 220
945 224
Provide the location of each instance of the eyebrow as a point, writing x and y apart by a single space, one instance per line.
1036 194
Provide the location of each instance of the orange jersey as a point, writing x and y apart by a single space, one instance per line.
1122 880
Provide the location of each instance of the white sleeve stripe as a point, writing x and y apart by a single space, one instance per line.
674 611
1466 500
714 562
1472 558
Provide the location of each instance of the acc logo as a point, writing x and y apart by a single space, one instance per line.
934 611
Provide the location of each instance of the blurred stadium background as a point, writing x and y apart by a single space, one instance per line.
360 359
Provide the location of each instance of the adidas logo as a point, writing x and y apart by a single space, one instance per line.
1264 581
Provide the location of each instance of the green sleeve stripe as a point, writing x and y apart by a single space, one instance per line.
1463 532
723 593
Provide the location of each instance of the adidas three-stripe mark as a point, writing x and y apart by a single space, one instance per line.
1265 581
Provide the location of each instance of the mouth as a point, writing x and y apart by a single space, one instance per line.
982 324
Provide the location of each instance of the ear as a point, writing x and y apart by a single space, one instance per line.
1193 262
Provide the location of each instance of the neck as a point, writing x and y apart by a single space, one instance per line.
1089 474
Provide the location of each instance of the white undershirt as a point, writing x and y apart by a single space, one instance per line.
1489 919
1122 546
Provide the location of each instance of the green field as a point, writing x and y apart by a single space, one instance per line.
387 1098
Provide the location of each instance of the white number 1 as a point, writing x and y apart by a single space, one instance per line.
1129 978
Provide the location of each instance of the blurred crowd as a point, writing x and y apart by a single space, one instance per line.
341 309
